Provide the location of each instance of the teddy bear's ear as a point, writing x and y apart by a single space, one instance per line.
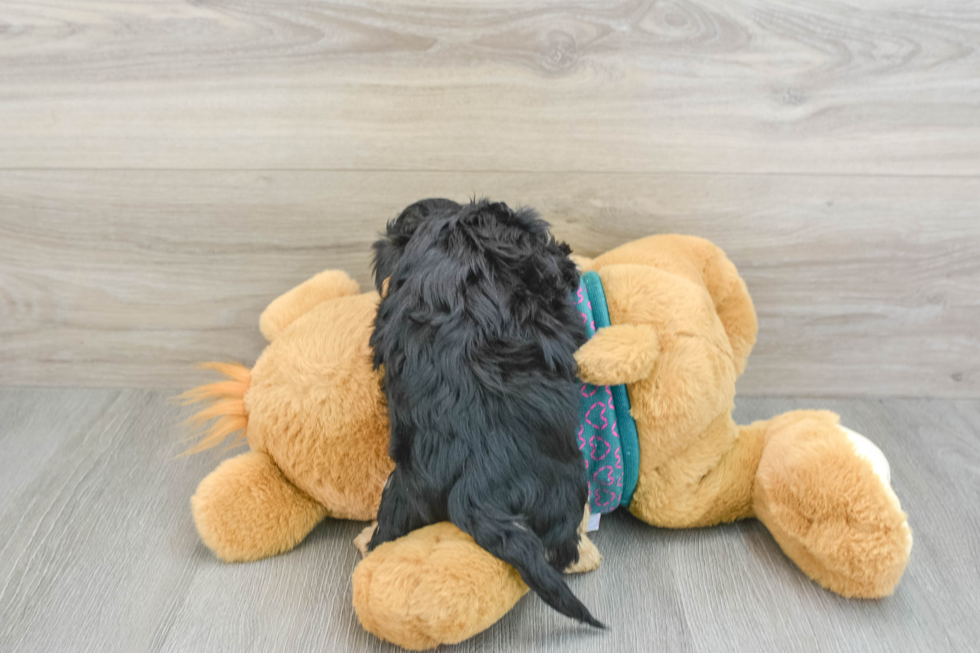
287 308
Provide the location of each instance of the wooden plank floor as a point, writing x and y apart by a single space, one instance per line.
98 551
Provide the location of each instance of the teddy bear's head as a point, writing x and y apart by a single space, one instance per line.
315 405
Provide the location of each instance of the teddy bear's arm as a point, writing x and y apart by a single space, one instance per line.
698 261
287 308
622 353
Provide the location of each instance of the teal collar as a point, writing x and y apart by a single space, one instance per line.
607 434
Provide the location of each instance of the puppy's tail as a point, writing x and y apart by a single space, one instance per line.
518 546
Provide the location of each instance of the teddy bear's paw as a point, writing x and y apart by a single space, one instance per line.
433 586
867 450
823 491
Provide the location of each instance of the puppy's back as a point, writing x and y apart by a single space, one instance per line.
477 335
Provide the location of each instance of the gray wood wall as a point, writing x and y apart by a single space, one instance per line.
167 169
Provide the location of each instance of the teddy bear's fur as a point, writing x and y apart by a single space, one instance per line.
683 325
316 425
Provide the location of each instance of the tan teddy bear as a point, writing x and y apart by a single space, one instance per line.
682 327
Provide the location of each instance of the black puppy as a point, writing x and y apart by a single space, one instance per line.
476 333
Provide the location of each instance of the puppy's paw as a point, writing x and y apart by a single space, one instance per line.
588 557
362 540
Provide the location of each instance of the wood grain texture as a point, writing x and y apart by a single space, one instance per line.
98 551
864 285
168 168
763 86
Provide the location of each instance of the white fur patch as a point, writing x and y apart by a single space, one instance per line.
866 449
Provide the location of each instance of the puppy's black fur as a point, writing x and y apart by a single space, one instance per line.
476 333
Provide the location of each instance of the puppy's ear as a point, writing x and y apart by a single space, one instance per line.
388 250
567 267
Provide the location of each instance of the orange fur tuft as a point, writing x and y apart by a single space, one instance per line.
231 370
223 389
226 401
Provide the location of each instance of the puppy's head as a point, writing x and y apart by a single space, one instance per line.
482 244
389 249
495 275
519 254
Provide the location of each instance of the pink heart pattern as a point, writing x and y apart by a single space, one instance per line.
598 435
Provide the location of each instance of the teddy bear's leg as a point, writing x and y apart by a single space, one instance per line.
701 485
823 492
285 309
434 586
438 586
589 557
246 509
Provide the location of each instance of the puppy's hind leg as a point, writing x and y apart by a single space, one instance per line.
588 555
399 513
509 539
364 538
